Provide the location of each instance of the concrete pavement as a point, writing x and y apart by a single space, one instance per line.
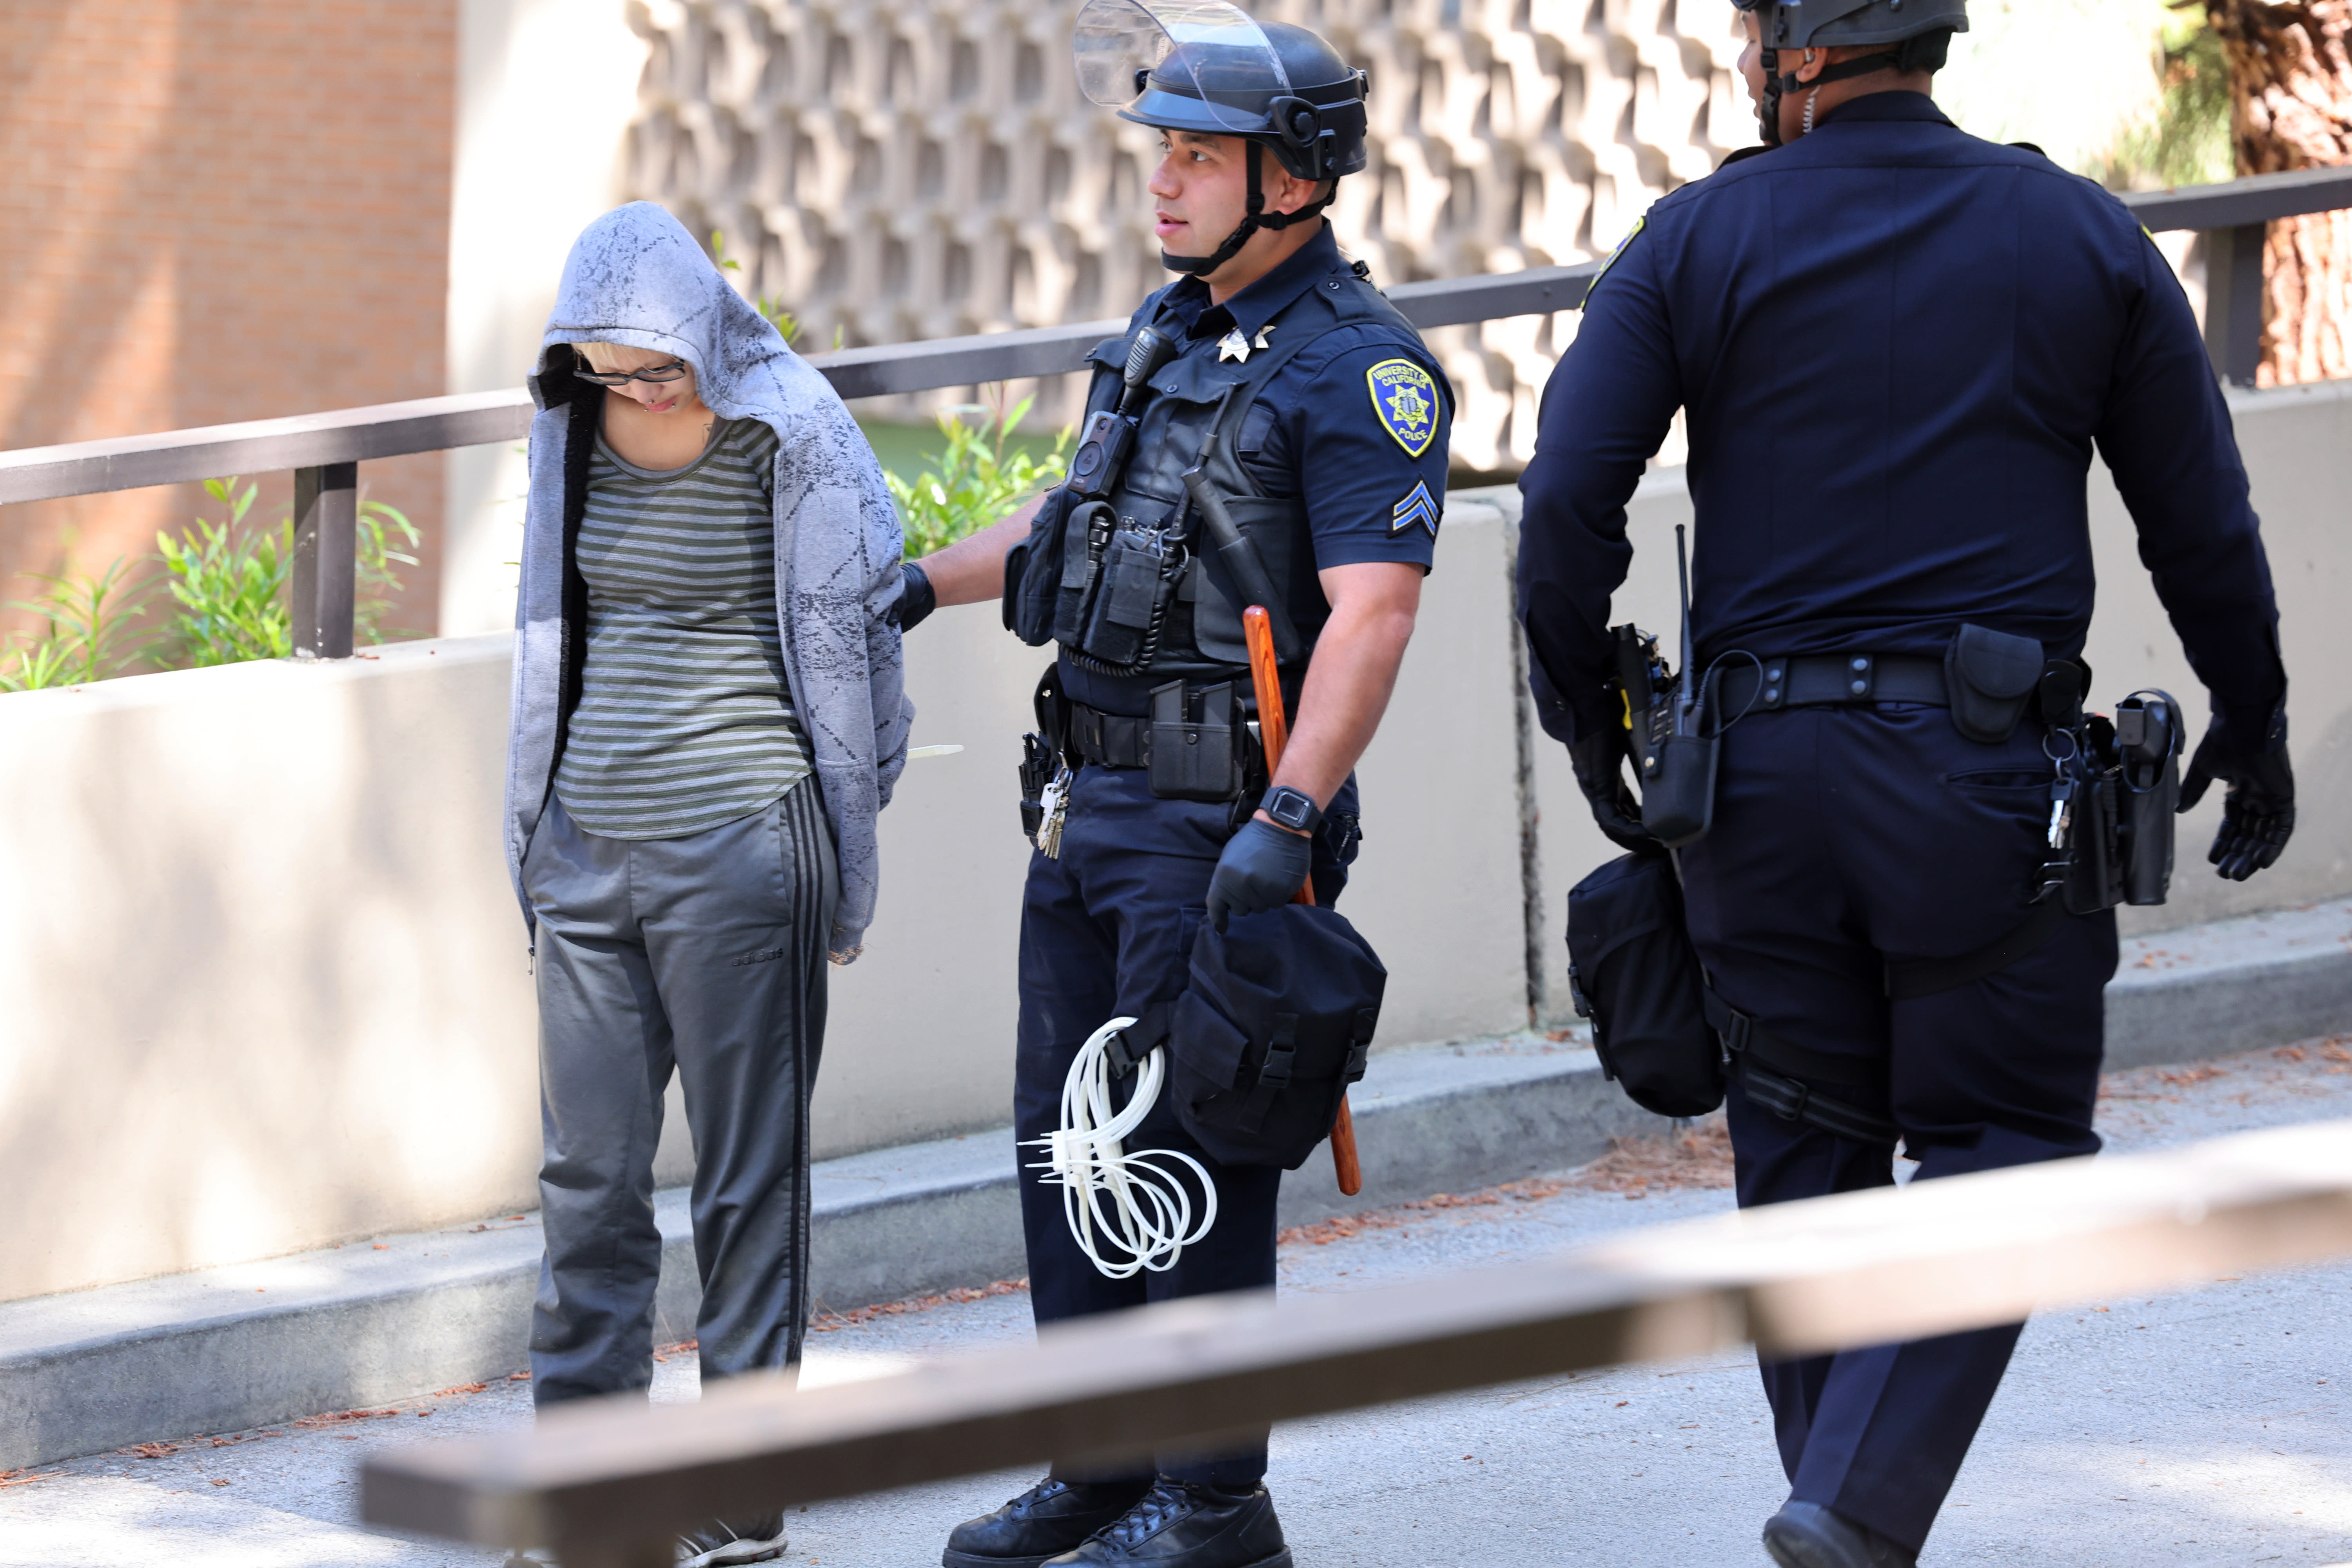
2196 1430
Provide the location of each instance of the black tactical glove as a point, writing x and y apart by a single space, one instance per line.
916 599
2257 812
1263 869
1600 763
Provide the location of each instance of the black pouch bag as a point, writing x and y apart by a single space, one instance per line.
1274 1024
1632 970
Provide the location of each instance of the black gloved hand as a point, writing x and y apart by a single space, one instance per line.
2257 812
1263 869
916 599
1600 763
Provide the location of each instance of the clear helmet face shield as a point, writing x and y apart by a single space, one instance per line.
1204 62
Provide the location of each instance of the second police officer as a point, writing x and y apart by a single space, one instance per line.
1313 423
1897 347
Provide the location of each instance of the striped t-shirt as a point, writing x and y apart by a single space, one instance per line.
684 719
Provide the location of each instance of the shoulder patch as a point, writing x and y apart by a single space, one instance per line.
1613 254
1418 507
1405 401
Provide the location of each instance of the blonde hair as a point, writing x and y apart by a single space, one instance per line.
600 356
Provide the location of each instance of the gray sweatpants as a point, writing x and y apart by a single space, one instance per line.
706 954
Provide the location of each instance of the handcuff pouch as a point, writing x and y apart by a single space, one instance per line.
1989 676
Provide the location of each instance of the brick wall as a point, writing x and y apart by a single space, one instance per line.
217 210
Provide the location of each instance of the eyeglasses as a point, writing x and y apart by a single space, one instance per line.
677 370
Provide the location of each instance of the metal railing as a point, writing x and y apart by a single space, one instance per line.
324 449
606 1483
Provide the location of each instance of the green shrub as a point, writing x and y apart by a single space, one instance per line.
229 582
88 636
973 483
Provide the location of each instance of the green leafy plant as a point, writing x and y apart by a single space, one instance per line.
773 308
229 582
375 582
88 634
975 482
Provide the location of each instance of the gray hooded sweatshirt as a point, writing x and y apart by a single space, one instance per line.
636 278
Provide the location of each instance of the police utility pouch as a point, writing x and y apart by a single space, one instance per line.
1275 1023
1989 676
1195 753
1632 971
1033 573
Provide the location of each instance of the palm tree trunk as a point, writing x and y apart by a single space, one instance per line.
2291 108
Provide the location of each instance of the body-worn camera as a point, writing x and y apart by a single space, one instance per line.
1102 454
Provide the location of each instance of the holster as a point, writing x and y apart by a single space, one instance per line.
2148 789
1043 751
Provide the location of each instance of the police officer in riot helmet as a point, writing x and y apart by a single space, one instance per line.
1896 347
1269 431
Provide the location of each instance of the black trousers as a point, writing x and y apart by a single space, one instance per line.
704 954
1105 931
1843 837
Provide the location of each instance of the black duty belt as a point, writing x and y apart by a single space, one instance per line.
1822 680
1103 740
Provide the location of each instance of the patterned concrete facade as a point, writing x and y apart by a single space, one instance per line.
901 169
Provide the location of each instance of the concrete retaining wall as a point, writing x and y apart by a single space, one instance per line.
266 981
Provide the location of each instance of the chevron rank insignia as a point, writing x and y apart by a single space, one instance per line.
1416 507
1404 397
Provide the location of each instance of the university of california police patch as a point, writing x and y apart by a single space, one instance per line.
1630 236
1416 507
1405 397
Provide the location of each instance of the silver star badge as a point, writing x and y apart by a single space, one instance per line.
1233 345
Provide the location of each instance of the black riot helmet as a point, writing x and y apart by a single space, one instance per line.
1207 67
1918 32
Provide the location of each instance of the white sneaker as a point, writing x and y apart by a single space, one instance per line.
724 1541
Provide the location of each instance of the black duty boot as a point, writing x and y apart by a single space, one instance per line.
1806 1535
1043 1522
724 1541
1185 1524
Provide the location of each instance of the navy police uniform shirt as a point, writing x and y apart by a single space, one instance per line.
1897 345
1354 426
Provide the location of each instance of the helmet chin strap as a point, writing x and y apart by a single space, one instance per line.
1768 114
1257 218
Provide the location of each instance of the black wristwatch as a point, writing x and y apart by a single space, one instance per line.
1291 808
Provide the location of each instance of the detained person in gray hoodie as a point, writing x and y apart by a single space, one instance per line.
707 716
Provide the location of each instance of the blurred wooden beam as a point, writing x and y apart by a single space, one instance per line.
603 1483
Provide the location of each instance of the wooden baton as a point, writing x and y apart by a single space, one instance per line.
1274 733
